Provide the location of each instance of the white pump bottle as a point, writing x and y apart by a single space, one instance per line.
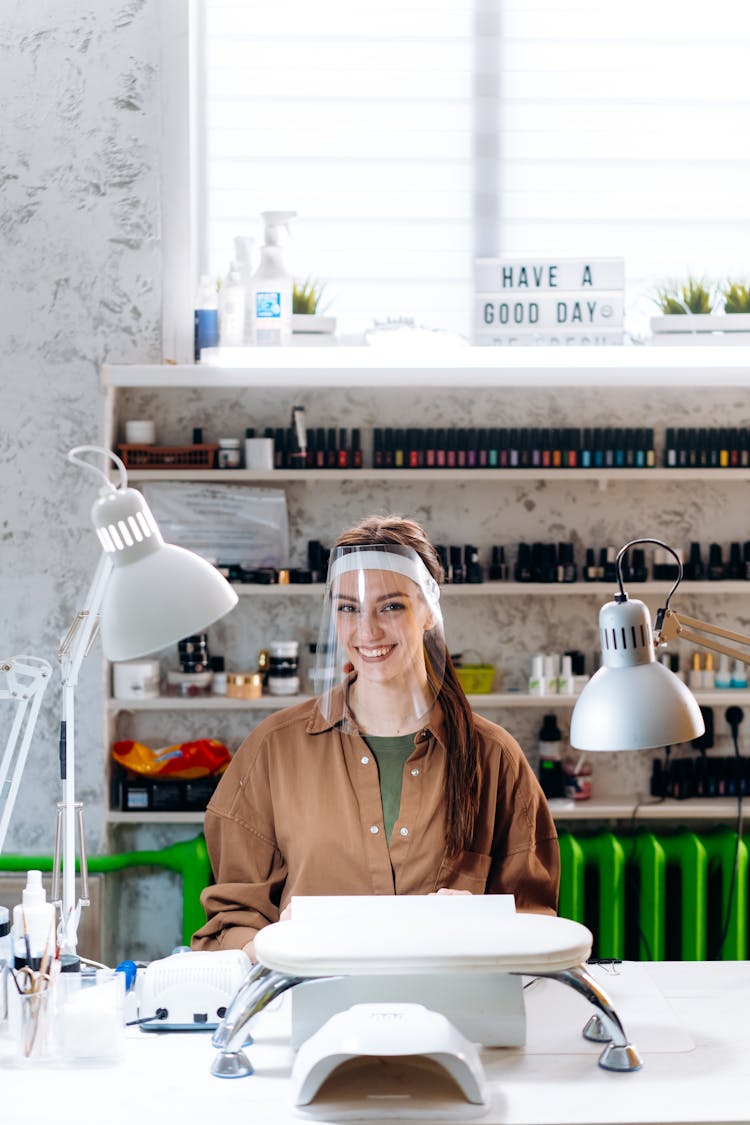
272 285
34 920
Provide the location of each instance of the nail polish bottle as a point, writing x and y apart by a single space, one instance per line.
695 675
482 449
377 448
546 448
522 569
670 449
739 675
744 449
442 555
503 443
598 448
708 672
694 569
332 457
429 449
412 448
399 450
574 448
590 570
388 447
513 449
735 568
524 449
723 673
356 452
471 449
440 449
320 448
682 449
586 459
450 450
279 448
715 563
473 571
456 565
618 443
498 571
493 451
746 559
555 451
723 449
567 570
461 447
536 451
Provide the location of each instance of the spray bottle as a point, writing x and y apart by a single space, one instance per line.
33 922
272 285
232 310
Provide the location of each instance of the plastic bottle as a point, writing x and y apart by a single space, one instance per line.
206 316
272 285
33 921
232 310
550 758
5 959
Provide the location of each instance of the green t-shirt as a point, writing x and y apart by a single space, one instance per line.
390 755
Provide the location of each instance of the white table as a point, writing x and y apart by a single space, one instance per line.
690 1022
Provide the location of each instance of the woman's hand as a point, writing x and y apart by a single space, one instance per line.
449 891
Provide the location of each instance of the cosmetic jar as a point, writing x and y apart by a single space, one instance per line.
283 668
141 431
188 684
229 456
244 685
135 679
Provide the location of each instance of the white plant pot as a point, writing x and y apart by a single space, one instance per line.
690 323
311 322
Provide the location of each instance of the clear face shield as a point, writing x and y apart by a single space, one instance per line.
380 657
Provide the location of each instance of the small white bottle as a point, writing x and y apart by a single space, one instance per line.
739 674
536 678
565 682
206 316
272 285
232 310
723 677
33 921
5 959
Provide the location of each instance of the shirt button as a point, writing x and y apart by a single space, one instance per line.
364 759
415 772
404 831
374 829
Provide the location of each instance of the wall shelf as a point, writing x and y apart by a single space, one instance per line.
595 809
350 367
518 589
495 700
597 477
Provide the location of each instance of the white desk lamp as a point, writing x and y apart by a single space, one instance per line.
150 594
24 680
633 702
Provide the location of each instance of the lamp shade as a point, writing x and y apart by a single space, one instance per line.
633 702
157 593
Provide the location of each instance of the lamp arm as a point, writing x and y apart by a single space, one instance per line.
25 679
73 650
671 625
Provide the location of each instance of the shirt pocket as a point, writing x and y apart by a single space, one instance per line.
467 871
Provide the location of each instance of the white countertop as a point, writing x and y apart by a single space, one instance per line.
688 1020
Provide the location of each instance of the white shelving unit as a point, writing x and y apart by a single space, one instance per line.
463 369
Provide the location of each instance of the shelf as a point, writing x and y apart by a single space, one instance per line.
643 808
599 477
516 589
347 368
596 808
495 700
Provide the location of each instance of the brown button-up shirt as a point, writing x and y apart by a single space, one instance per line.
299 812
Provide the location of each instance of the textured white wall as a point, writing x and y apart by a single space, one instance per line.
79 281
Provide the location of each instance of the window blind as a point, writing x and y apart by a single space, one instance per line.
412 137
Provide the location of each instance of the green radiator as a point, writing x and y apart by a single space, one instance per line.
649 897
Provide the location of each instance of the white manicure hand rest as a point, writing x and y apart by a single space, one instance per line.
415 934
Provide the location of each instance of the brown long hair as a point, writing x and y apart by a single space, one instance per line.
463 776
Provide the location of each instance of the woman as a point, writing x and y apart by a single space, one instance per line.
387 783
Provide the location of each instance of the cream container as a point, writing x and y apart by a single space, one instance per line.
135 679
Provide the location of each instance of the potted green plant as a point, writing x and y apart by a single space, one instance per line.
307 311
694 308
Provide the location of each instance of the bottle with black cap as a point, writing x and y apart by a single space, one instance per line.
550 758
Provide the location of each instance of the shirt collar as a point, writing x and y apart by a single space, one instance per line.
318 723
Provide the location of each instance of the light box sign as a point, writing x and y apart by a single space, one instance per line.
560 302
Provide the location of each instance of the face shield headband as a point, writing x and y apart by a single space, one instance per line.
381 646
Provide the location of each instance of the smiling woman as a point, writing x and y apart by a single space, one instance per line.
387 783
